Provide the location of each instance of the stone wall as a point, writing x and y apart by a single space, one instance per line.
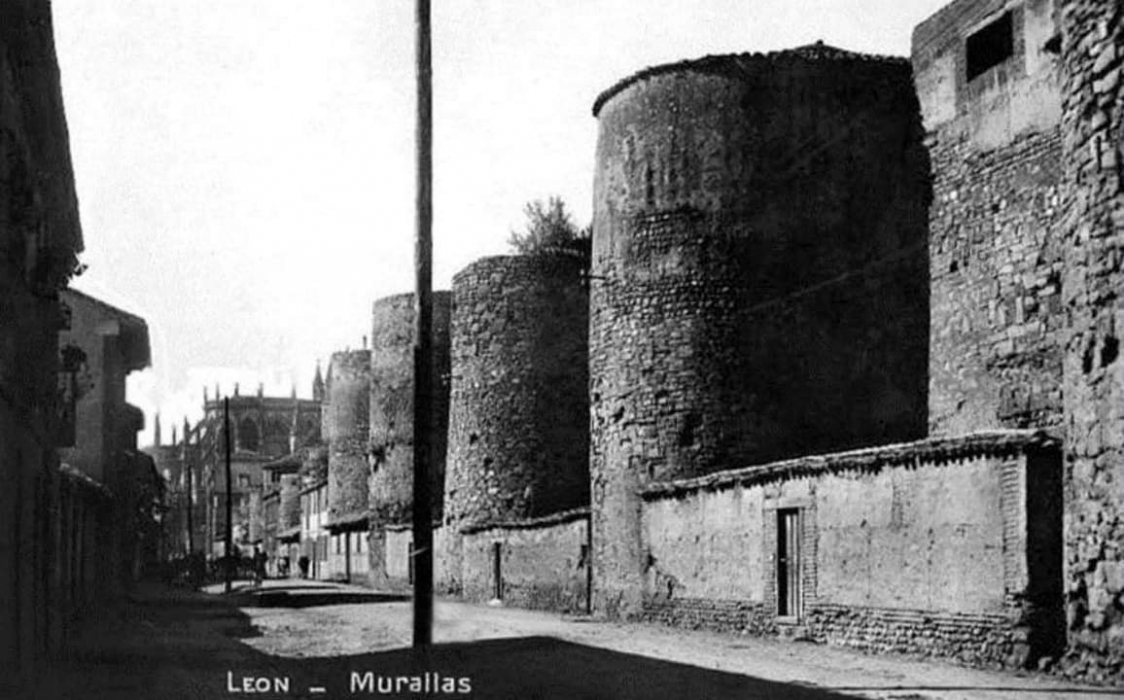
996 258
39 242
395 551
392 403
543 564
925 547
519 397
1093 234
759 274
347 417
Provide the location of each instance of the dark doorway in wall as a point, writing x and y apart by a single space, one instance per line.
410 562
1045 555
788 563
497 570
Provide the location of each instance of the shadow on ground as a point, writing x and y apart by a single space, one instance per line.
176 644
273 598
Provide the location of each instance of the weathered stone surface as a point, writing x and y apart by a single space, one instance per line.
995 257
391 483
519 406
759 279
946 547
1093 234
543 567
347 416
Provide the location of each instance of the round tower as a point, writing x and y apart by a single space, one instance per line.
346 412
392 405
519 397
759 275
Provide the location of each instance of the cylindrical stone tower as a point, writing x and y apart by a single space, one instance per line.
519 400
346 411
759 276
392 413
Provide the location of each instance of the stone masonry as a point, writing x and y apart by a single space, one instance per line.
996 257
346 423
744 204
392 416
1093 234
519 404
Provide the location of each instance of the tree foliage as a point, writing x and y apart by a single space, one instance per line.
550 230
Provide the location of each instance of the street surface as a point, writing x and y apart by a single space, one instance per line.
305 639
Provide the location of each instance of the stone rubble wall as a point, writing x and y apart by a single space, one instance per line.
1093 232
732 219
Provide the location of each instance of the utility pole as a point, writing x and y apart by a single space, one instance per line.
229 496
190 500
423 322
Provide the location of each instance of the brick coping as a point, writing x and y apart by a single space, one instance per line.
939 449
559 518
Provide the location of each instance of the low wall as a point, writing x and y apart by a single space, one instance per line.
922 547
393 544
348 558
543 562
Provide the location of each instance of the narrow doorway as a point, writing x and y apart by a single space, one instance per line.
497 571
788 563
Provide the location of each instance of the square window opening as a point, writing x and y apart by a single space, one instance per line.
991 46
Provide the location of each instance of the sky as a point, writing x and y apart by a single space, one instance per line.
245 168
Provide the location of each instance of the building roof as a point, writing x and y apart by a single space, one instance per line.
133 329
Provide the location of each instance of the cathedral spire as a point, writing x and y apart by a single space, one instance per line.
318 384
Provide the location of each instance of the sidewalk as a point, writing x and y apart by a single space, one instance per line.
352 642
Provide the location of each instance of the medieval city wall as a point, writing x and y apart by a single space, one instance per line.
519 395
759 283
996 255
391 483
929 547
543 563
347 431
1093 235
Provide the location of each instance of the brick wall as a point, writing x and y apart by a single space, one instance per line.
543 563
923 547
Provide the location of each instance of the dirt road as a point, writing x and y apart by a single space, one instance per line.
318 640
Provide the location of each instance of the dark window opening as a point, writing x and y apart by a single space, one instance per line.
248 435
991 45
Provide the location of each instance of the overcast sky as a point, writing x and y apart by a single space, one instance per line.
245 167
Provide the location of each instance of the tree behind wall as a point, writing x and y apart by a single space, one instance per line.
550 230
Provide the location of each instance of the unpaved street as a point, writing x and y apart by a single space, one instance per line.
313 625
325 641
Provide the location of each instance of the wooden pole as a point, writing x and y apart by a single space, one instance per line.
190 501
423 320
229 544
